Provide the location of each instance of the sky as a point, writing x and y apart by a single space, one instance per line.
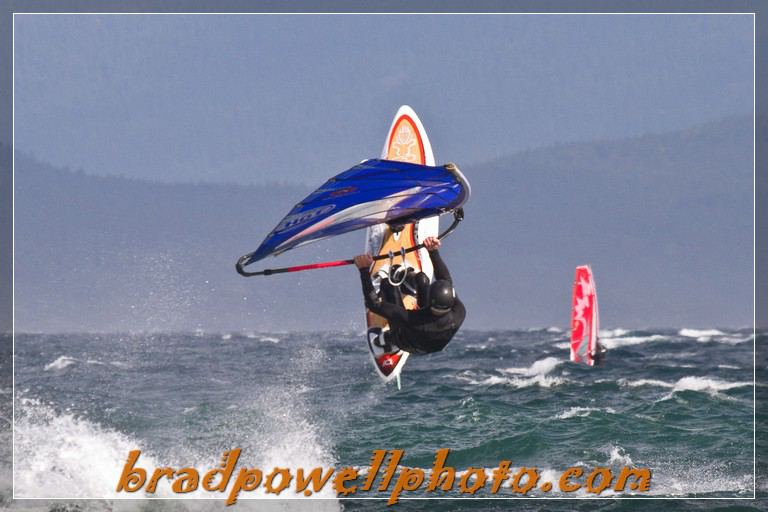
297 98
255 99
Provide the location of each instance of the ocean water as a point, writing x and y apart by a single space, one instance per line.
677 401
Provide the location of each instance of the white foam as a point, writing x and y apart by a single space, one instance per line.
619 456
581 412
226 337
681 478
732 340
60 363
699 333
611 333
540 367
286 437
690 383
270 339
610 343
66 456
535 375
728 340
706 384
674 355
544 366
563 345
554 329
61 456
644 382
728 367
515 382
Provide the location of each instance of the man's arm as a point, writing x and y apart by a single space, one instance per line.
432 245
372 299
459 312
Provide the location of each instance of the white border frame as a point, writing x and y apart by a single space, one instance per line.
219 498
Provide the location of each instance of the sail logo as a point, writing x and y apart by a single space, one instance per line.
301 218
583 303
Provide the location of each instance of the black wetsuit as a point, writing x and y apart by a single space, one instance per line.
417 331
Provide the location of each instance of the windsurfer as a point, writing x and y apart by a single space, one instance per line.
598 355
428 328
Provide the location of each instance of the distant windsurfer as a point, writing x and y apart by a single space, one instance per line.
439 315
598 355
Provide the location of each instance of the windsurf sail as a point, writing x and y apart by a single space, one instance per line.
585 320
372 192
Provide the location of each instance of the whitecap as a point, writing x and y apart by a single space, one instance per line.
711 386
618 456
700 333
540 367
515 382
728 340
612 333
86 456
610 343
644 382
60 363
706 384
674 355
581 412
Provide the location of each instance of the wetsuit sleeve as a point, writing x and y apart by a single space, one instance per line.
459 312
441 270
373 302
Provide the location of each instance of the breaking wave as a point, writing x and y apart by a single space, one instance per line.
534 375
698 333
610 343
60 363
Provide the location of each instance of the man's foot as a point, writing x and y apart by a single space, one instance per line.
379 340
397 275
409 285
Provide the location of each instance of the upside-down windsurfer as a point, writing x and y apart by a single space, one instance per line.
439 315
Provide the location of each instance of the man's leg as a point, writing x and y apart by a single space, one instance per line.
391 294
422 289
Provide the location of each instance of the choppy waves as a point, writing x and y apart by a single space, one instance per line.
534 375
664 400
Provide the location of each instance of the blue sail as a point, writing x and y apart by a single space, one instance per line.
373 192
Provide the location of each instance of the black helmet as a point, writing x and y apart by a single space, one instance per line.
441 296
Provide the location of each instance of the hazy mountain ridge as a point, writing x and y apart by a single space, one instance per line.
105 253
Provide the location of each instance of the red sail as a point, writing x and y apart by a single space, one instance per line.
584 316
